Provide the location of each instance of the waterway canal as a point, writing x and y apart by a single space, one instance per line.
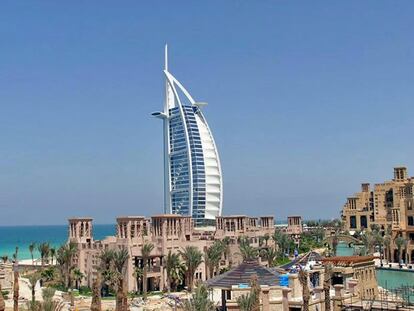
389 279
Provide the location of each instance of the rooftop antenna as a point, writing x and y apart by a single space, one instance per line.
167 87
166 57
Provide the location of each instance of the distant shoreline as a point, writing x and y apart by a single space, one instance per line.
277 222
56 235
19 226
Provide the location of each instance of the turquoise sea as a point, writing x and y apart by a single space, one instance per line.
22 236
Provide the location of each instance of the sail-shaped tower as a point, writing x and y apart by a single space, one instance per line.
193 182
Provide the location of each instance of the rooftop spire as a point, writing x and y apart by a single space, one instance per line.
166 57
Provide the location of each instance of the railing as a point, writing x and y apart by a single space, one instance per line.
155 269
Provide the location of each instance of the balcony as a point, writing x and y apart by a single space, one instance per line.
154 269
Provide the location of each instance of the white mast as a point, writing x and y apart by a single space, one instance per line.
166 57
166 122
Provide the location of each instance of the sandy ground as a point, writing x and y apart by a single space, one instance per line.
25 293
35 262
154 303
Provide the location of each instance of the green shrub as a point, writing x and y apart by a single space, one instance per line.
85 291
281 261
5 294
59 287
48 274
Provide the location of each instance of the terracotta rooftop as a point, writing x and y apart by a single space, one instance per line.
79 218
170 216
130 217
346 260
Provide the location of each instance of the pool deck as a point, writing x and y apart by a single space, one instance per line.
403 269
393 266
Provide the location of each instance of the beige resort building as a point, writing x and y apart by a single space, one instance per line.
388 205
167 233
353 279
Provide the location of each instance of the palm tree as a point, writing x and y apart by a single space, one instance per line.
199 300
44 250
406 250
33 279
52 254
368 239
212 257
120 259
77 277
248 252
303 279
138 273
270 254
387 245
283 241
379 241
255 291
192 259
15 254
106 257
266 237
319 234
261 240
105 269
64 258
5 258
96 294
31 249
357 234
146 252
399 242
208 265
226 250
335 242
251 301
48 274
327 286
15 283
175 270
2 303
221 249
246 302
48 303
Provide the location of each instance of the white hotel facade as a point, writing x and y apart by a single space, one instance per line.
193 184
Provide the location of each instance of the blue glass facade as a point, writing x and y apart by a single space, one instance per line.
179 163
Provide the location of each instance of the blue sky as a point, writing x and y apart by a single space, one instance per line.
307 99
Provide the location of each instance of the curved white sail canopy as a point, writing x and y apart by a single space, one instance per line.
192 171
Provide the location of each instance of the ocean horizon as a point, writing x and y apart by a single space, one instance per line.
56 235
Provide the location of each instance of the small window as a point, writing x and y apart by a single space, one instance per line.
228 294
352 222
